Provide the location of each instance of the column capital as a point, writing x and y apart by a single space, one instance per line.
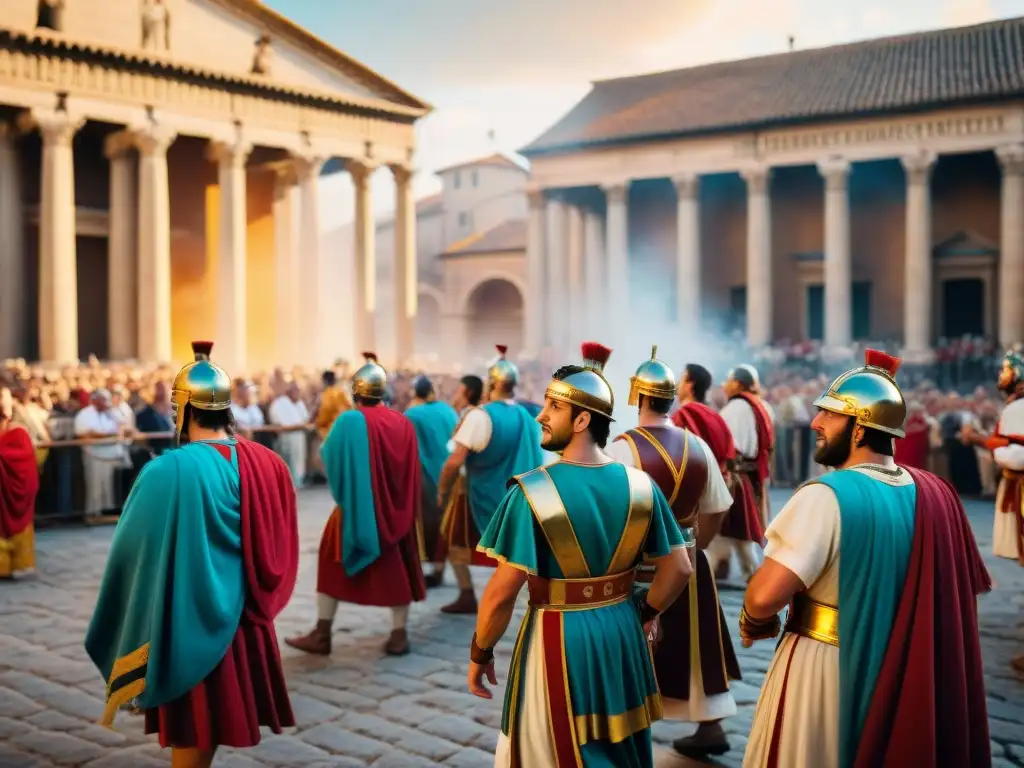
154 139
56 126
403 174
118 144
229 153
536 198
918 166
687 185
757 178
835 171
306 167
1011 159
617 192
360 171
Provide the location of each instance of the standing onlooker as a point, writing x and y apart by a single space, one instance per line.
97 421
288 410
247 412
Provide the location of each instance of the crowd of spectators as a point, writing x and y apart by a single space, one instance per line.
95 425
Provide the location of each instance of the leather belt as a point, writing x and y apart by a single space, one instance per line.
579 594
814 620
1010 474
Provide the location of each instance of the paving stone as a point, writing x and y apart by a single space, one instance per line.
10 728
470 758
396 759
122 759
458 729
236 758
408 739
13 758
346 700
49 720
15 704
61 748
335 739
309 711
286 751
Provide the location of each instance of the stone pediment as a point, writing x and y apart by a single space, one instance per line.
966 242
235 39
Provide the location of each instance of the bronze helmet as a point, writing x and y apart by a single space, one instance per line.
588 389
502 370
653 378
869 394
371 380
200 384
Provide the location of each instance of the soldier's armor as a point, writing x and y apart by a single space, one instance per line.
676 462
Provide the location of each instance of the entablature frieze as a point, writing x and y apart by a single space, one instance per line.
940 132
194 108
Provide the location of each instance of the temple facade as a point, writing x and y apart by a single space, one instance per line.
867 191
159 168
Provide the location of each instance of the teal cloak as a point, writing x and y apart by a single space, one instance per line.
435 424
514 449
174 587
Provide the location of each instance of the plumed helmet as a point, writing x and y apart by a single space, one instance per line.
371 380
869 394
653 378
200 384
588 389
1015 362
502 370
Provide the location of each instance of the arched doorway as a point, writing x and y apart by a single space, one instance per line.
428 325
494 315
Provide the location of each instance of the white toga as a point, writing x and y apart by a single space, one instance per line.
1004 529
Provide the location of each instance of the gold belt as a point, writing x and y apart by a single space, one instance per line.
1010 474
812 619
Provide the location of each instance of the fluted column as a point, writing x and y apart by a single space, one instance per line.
406 282
534 303
617 252
317 344
557 336
365 258
1011 250
595 299
918 279
12 246
58 255
759 257
287 266
232 319
575 317
154 305
688 252
122 267
838 275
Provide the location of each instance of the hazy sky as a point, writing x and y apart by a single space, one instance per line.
516 67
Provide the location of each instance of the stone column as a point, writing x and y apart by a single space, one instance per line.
759 257
557 336
287 266
232 318
595 298
58 255
406 283
918 280
365 258
12 246
318 346
575 307
534 302
617 253
122 268
1011 247
838 275
154 304
688 275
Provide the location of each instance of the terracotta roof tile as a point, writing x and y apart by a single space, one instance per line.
508 236
980 63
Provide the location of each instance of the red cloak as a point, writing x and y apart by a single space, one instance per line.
19 482
396 577
708 425
248 688
912 450
765 435
928 708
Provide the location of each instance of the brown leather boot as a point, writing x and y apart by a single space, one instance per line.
1018 665
709 739
464 603
397 644
317 641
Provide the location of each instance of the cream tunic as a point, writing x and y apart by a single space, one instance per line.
804 537
1004 530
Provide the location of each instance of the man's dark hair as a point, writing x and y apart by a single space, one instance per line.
422 387
329 379
700 378
743 377
877 441
474 388
506 387
223 419
660 405
600 426
366 402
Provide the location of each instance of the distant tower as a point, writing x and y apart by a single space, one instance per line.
792 42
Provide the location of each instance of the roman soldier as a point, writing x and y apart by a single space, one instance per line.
204 558
750 422
581 687
493 442
694 659
892 625
697 416
371 554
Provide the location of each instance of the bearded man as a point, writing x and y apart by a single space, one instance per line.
903 603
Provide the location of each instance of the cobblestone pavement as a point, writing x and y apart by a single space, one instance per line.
359 707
